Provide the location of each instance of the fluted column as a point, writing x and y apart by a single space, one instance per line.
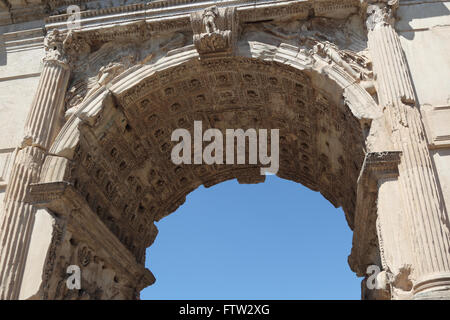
422 199
41 127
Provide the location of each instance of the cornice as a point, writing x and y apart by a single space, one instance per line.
22 40
173 15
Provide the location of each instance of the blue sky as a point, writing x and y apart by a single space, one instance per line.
273 240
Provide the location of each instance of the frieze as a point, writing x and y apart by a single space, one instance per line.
155 15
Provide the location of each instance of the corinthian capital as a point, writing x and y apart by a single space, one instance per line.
54 49
380 12
65 48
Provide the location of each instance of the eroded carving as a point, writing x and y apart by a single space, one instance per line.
215 31
381 13
53 45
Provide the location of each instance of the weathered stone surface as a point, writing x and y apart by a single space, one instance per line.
359 120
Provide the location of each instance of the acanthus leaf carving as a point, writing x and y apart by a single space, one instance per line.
381 13
53 45
65 48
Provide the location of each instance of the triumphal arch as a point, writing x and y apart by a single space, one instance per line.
359 90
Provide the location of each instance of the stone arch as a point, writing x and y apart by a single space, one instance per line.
341 56
112 157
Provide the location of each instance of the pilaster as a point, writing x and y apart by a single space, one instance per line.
41 127
421 196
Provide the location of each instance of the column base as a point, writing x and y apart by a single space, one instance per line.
434 287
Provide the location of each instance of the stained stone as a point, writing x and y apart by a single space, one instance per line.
85 150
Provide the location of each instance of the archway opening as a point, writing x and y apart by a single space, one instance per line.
121 164
274 240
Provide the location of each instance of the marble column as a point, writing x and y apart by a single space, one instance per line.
42 125
422 198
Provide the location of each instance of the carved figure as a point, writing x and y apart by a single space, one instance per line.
327 49
209 17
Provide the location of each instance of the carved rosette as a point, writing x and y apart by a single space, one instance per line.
215 31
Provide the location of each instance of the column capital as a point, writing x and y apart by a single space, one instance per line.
54 48
379 12
64 48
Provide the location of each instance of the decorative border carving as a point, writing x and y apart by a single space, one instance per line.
381 164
